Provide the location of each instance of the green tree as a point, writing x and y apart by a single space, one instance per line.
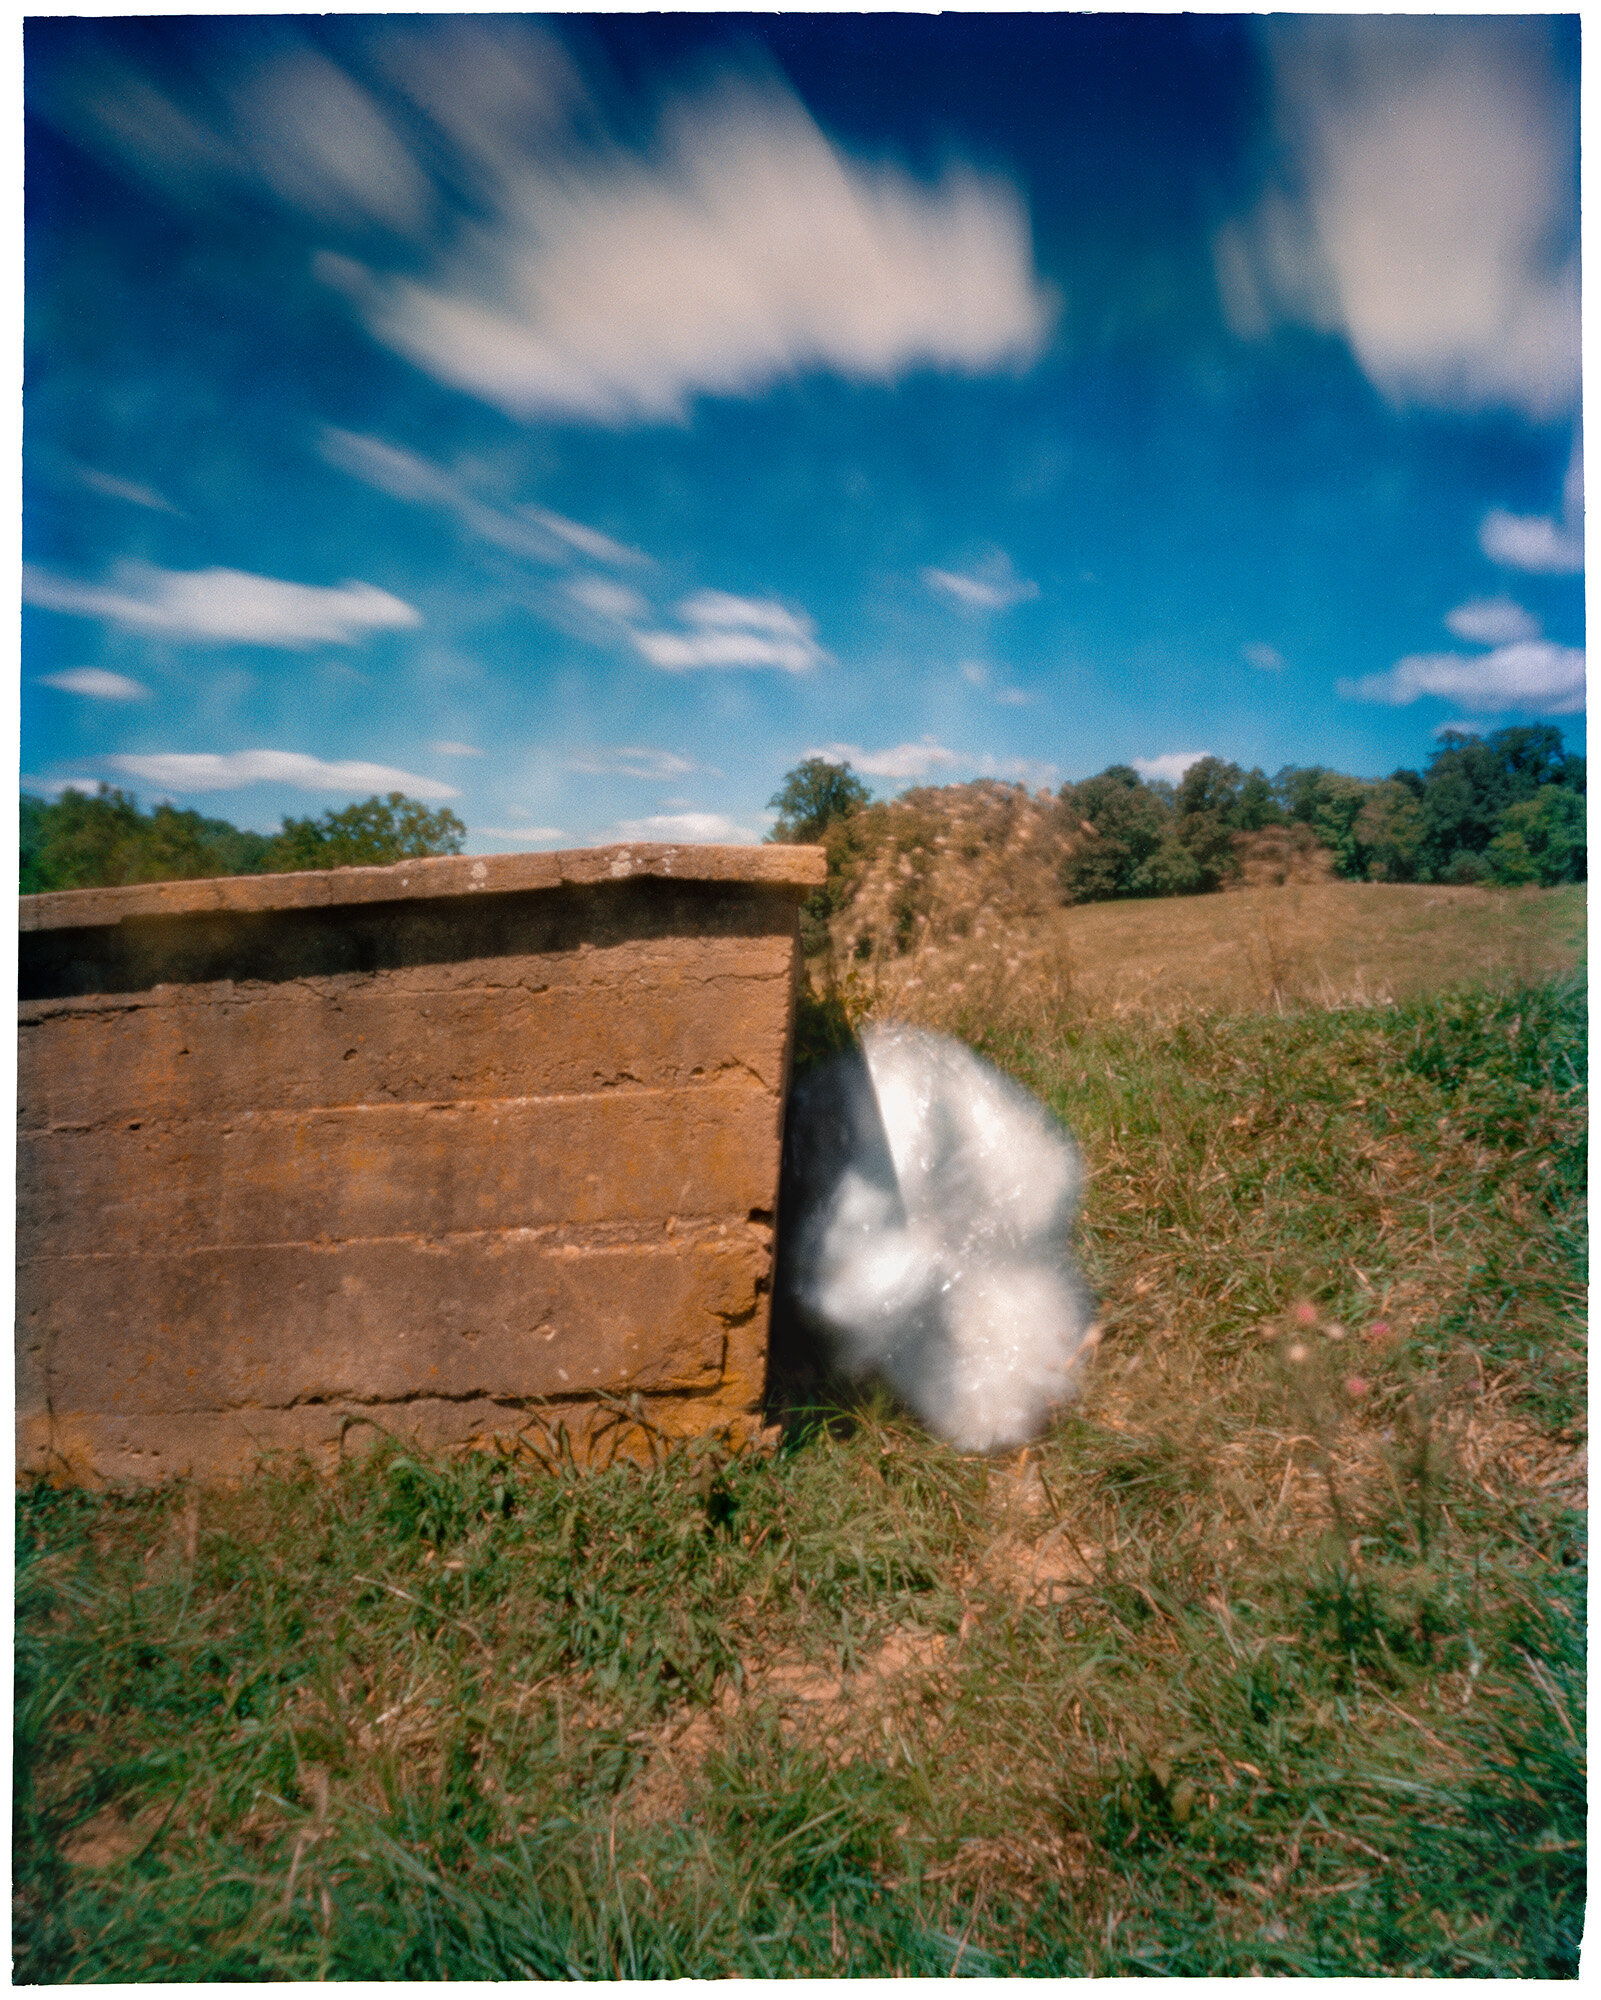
812 797
1540 839
1387 835
370 834
1128 842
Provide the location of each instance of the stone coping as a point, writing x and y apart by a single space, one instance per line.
774 866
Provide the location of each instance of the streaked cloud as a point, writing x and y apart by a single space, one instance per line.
728 631
994 585
745 249
1428 212
619 603
628 761
203 772
223 606
1534 676
904 760
97 684
1492 621
125 489
529 531
1265 658
449 749
533 836
1170 767
693 828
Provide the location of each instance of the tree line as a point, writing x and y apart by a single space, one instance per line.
1506 809
102 840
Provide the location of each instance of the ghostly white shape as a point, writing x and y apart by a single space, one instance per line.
928 1203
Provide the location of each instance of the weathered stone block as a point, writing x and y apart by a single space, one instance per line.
429 1149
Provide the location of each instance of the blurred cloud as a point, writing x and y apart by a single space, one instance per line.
1533 675
1170 767
905 760
1428 210
693 828
533 835
745 249
993 586
321 144
526 531
630 762
223 606
125 489
184 772
728 631
1492 621
618 602
448 749
98 684
1265 658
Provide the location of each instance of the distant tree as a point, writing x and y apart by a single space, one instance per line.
812 797
1255 805
368 835
1387 834
1540 840
80 841
1127 843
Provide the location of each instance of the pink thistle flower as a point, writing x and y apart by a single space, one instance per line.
1304 1313
1356 1387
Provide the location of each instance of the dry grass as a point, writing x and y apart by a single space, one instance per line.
1321 944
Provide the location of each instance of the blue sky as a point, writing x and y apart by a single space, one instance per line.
580 420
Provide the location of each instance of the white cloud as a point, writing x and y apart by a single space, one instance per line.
97 684
1492 621
1533 675
223 606
1170 767
728 631
183 772
88 786
322 145
525 531
1532 542
975 673
905 760
619 603
1429 213
1013 697
628 761
692 828
993 586
532 836
1265 658
449 749
125 489
745 250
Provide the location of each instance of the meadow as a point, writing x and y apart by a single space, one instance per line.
1267 1659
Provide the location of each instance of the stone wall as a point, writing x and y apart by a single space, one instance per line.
435 1149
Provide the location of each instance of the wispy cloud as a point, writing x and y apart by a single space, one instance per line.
1531 675
1265 658
97 684
531 836
1035 772
1170 767
1428 212
1492 621
449 749
728 631
125 489
693 828
529 531
617 603
993 585
628 761
223 606
904 760
203 772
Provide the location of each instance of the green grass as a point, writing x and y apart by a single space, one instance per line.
1269 1659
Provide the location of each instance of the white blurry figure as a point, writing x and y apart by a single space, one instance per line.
927 1203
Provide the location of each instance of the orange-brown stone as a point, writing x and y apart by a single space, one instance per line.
438 1149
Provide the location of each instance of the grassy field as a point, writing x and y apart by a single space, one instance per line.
1268 1658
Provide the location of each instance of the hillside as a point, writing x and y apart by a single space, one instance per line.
948 908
